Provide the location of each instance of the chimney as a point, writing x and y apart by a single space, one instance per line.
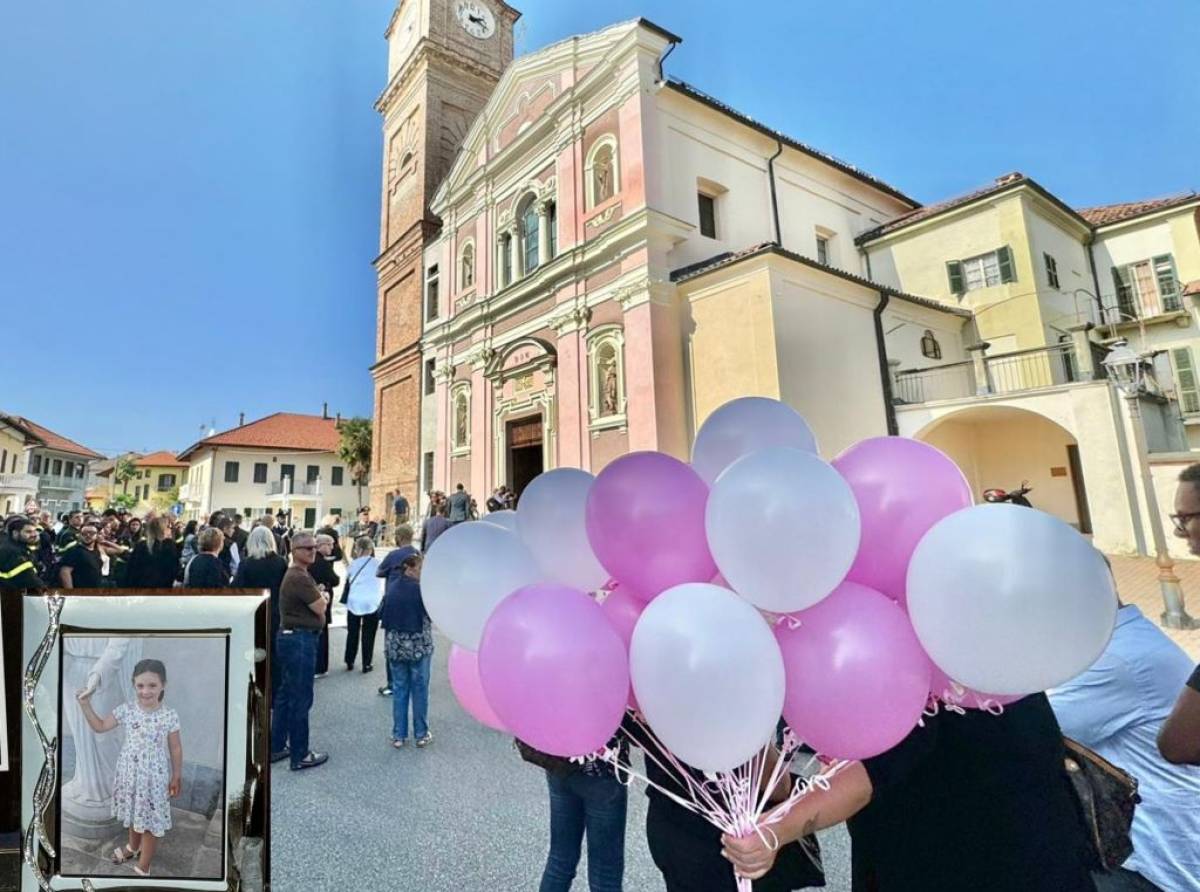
241 419
325 411
339 418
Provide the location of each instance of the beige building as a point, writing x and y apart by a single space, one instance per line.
283 462
155 483
60 465
17 486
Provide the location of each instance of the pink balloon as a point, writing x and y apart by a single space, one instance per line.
903 487
468 689
857 678
622 608
645 521
554 669
947 690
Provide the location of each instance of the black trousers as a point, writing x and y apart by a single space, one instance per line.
366 627
323 642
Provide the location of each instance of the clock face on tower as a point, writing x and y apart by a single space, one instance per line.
475 18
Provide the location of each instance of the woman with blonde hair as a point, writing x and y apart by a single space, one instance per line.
362 597
154 561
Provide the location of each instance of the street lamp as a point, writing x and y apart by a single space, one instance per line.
1126 369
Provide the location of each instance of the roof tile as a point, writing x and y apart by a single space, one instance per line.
1107 214
58 441
282 430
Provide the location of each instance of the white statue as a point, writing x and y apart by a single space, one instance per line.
104 667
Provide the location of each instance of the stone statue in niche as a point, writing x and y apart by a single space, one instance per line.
468 267
606 364
602 174
460 421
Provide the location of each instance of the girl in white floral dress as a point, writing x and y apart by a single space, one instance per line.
150 764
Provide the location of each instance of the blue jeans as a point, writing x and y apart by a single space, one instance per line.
297 651
580 802
410 680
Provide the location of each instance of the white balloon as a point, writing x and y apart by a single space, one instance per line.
506 518
708 675
745 425
1010 600
471 568
783 527
552 523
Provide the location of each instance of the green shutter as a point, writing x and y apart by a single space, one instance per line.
1168 288
957 284
1185 381
1005 259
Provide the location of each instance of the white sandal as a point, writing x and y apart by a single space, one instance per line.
138 870
121 854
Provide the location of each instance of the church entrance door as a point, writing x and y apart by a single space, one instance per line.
525 452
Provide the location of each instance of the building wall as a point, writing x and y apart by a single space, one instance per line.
1071 303
57 492
246 494
1174 234
914 260
145 487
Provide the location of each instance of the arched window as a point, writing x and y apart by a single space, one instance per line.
506 270
601 171
606 373
529 234
466 265
460 421
930 348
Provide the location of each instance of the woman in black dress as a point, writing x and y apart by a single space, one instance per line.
967 801
263 568
154 561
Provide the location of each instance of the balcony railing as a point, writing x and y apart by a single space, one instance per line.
59 481
19 481
285 487
1015 372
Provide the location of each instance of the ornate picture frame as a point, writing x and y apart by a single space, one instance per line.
219 797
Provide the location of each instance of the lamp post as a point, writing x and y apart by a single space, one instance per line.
1125 368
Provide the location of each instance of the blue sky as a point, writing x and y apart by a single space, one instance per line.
189 190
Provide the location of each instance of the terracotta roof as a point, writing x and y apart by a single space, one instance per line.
1192 288
712 102
57 441
1107 214
283 430
692 271
161 459
21 427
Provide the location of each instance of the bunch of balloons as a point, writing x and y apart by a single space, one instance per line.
758 582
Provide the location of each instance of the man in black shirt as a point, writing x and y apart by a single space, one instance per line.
970 801
79 562
70 532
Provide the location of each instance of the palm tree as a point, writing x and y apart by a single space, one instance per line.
355 449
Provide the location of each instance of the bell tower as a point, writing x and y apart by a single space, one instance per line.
444 60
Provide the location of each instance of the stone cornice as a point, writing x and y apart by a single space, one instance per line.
429 52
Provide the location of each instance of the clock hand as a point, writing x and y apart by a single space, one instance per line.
478 20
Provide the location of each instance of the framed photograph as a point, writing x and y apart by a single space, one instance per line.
153 771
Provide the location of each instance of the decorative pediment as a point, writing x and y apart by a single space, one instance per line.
532 82
522 356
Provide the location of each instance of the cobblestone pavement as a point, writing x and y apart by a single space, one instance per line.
464 815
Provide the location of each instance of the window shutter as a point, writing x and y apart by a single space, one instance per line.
1005 260
955 272
1185 381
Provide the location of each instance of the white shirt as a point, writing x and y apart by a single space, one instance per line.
1116 708
366 590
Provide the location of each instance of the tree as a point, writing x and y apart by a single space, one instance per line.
164 501
355 449
125 500
124 471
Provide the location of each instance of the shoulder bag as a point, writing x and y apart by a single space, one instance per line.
1107 797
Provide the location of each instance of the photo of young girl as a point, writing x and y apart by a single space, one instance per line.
150 765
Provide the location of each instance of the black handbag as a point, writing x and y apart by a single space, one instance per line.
1107 797
349 582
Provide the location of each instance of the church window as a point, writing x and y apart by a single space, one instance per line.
466 265
529 234
431 292
460 432
506 270
708 215
601 171
930 348
606 375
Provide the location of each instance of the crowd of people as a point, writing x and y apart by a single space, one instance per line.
991 789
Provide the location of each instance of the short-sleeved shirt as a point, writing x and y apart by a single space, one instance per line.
296 592
984 802
400 506
85 566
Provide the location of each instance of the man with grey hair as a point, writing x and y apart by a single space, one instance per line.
302 615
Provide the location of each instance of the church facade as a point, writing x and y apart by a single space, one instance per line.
609 256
